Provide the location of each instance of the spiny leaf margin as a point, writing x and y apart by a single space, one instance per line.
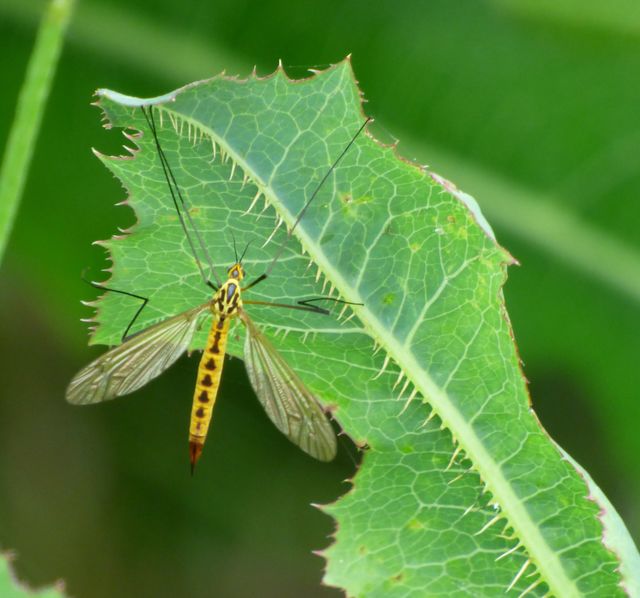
357 194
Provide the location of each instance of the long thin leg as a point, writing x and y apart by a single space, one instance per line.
255 282
302 305
145 300
305 207
176 195
307 301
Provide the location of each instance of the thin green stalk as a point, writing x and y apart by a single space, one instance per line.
29 110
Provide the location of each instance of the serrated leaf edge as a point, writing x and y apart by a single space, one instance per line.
513 513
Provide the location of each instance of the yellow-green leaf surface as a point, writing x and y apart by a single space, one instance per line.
460 490
10 587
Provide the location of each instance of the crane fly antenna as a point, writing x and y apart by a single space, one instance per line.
177 195
245 251
307 204
235 249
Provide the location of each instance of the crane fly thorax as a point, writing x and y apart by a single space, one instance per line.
227 300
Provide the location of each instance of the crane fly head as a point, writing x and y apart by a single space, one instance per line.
236 271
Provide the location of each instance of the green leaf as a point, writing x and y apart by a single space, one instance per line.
10 587
460 490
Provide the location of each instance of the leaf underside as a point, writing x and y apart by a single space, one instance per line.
460 490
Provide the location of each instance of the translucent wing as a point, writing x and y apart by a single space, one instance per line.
139 359
287 401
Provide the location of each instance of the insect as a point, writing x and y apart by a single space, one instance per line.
141 357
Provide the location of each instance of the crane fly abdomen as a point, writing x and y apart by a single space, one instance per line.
225 305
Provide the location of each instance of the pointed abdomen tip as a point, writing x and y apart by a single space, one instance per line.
195 450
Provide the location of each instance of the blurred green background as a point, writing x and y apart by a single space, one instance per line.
531 106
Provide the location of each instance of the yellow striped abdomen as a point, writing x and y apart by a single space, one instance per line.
204 397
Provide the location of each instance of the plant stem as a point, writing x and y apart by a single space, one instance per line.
29 110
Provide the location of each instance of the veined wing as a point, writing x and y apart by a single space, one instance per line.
132 364
287 401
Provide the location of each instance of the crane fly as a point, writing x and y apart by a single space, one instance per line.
143 356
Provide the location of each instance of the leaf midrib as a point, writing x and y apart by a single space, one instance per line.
542 556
